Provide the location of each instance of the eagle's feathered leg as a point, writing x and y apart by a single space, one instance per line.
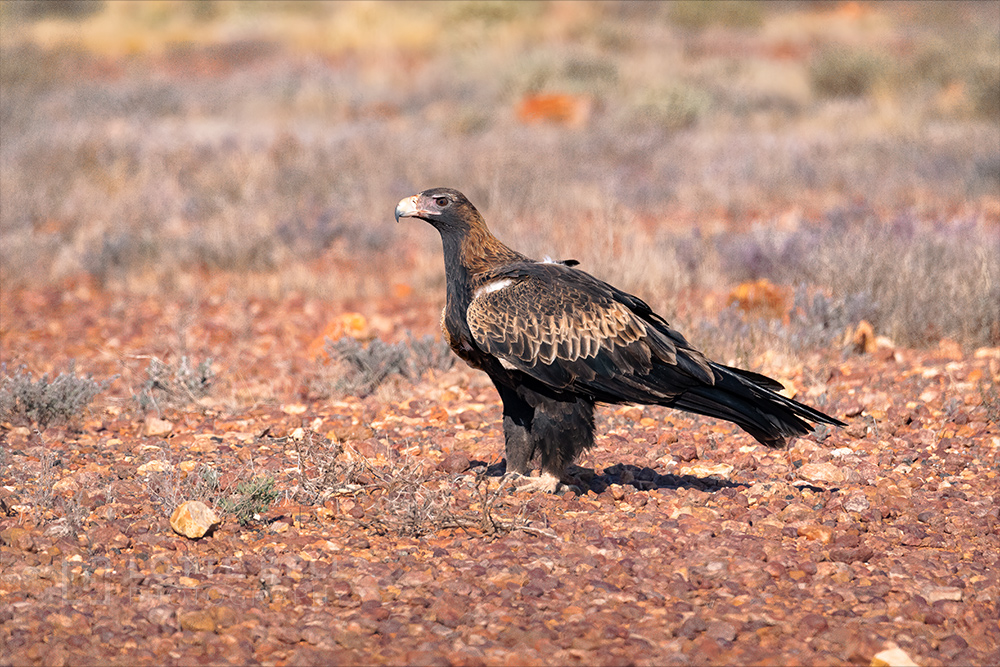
561 431
517 419
546 430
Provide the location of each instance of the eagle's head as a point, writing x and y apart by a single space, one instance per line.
445 208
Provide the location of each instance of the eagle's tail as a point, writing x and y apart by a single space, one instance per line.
750 400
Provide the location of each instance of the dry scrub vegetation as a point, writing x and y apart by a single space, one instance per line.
853 149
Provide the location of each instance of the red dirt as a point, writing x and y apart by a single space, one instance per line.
691 544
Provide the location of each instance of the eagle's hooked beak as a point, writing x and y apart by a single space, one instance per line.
407 208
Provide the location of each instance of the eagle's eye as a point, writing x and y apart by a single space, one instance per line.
441 201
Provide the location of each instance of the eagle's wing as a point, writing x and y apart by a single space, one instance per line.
570 330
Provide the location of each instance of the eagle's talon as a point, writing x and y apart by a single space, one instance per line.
545 482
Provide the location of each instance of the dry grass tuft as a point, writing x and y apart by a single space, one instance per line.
45 401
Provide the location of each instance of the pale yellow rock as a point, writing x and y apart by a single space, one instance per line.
187 466
156 465
788 390
293 408
193 519
700 469
933 593
815 532
203 444
157 428
893 657
863 338
66 485
196 621
821 474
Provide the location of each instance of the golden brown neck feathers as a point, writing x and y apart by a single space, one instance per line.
480 251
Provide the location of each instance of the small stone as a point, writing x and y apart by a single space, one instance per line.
856 503
863 338
692 627
816 623
862 553
67 485
313 634
224 616
18 538
949 349
952 645
702 469
686 453
193 519
203 444
374 610
366 588
933 618
633 414
155 465
721 630
788 390
821 474
668 438
447 611
470 417
892 657
934 593
187 466
196 621
415 578
822 534
161 615
157 428
286 634
454 462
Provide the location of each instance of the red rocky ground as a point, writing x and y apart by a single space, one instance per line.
391 540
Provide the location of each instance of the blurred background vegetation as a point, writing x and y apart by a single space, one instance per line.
848 150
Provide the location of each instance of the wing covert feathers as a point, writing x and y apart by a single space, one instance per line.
537 323
565 327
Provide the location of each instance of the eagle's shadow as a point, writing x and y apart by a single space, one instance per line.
640 478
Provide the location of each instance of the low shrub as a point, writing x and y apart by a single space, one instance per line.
846 73
43 402
174 385
359 370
